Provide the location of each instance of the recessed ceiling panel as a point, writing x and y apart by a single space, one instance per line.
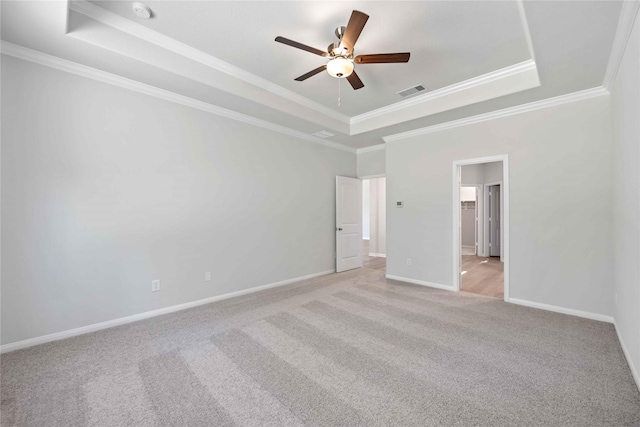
449 42
572 42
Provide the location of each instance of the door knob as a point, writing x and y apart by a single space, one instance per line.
339 229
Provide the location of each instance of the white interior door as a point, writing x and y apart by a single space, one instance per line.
348 223
494 220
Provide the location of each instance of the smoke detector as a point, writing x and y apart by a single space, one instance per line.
141 10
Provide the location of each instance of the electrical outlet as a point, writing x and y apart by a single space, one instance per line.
155 285
207 276
408 261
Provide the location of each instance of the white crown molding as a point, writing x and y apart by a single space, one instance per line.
519 109
525 26
140 31
628 16
562 310
371 148
66 17
147 314
449 90
115 80
510 79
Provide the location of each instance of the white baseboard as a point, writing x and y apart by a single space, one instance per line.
563 310
419 282
634 371
147 314
378 255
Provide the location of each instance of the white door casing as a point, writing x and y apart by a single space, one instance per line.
348 223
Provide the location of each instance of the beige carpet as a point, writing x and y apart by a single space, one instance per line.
345 349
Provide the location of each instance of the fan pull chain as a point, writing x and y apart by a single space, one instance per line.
339 100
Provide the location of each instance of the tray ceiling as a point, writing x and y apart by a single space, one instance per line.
474 57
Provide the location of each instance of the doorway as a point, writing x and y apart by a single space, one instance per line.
481 226
374 223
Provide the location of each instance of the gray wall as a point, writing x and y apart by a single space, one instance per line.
468 227
371 163
492 172
472 174
483 173
560 161
625 102
104 189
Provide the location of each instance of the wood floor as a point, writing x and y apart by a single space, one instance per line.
484 276
373 262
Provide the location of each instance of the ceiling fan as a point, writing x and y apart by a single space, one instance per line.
341 53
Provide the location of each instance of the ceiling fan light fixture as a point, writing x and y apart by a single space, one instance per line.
341 53
340 67
335 50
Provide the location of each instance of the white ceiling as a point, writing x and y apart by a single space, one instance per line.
449 41
227 57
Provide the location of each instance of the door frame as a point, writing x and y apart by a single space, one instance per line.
456 181
374 231
486 225
362 178
380 175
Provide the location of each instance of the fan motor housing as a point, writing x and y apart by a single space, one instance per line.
336 51
334 48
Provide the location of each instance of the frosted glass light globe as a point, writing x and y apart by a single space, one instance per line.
340 67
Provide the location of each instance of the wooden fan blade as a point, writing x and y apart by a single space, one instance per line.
301 46
382 58
355 81
354 28
311 73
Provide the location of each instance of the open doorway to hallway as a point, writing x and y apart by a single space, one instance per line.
481 229
374 223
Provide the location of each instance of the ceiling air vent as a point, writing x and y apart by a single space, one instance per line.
412 91
323 134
